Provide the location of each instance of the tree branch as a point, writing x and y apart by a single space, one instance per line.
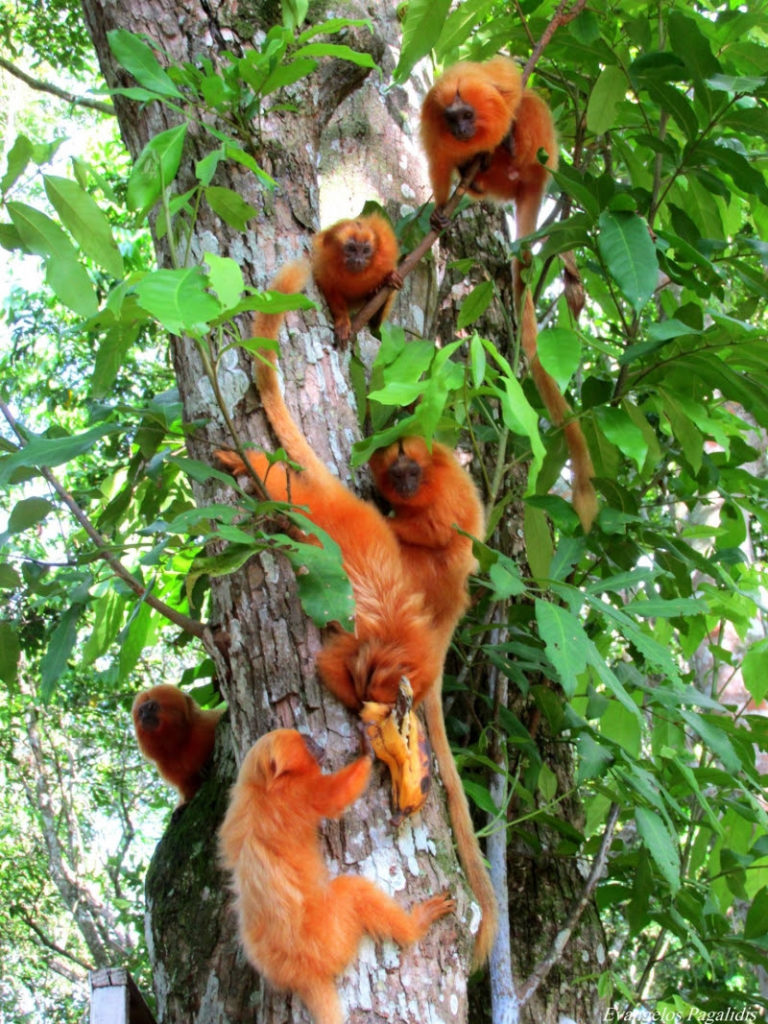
54 90
184 622
563 936
374 304
561 17
505 1005
50 944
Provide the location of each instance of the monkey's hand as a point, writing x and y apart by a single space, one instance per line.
438 220
398 739
393 280
342 330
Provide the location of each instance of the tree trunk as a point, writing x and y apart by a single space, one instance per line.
265 647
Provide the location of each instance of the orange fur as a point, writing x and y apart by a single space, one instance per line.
514 171
351 261
466 100
431 494
584 496
299 927
393 635
176 734
409 574
467 111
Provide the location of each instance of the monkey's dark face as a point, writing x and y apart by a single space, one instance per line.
161 706
460 118
148 715
358 252
405 476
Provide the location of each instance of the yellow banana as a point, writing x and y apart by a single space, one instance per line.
399 740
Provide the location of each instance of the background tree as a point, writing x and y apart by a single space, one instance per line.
579 671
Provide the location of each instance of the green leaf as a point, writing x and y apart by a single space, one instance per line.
294 12
28 512
69 281
607 93
155 168
621 726
324 588
337 50
136 57
458 25
10 650
663 608
477 360
110 356
475 304
660 844
754 668
39 234
621 431
226 279
19 156
178 299
54 661
424 20
480 796
9 578
686 40
594 759
53 451
228 205
538 542
504 578
547 782
108 614
559 350
714 738
756 923
86 223
331 27
565 642
286 74
629 254
521 417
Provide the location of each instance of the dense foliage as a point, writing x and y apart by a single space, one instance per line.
638 645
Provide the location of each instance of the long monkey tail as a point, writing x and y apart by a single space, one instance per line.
289 280
470 855
584 496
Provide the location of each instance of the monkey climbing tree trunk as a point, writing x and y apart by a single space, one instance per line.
260 640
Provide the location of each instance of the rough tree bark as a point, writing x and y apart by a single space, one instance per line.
266 665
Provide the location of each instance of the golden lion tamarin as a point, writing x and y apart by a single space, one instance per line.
468 111
408 572
176 734
299 927
431 495
483 108
351 261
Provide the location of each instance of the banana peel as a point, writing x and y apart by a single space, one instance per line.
398 739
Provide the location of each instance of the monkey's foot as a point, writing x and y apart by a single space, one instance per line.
398 739
438 220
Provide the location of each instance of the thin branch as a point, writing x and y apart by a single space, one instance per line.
184 622
375 303
564 935
54 90
561 17
505 1005
50 944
